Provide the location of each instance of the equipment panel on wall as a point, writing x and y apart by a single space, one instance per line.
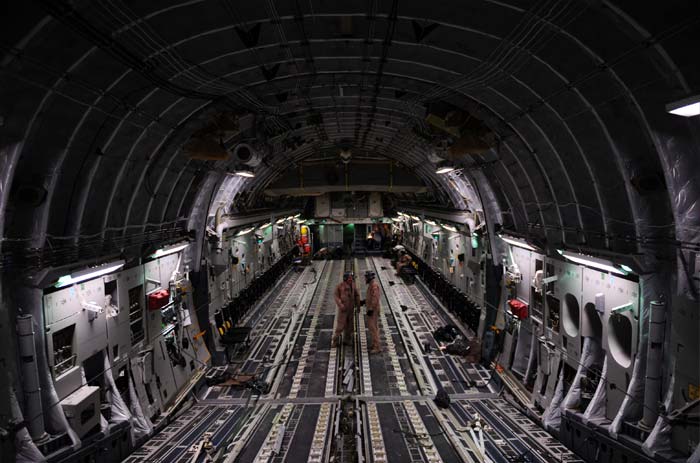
518 271
567 290
617 301
124 319
76 329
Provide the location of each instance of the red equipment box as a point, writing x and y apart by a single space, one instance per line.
158 299
518 308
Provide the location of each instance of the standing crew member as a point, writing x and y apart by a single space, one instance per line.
346 299
404 260
372 302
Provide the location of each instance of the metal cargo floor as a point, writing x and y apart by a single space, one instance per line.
342 404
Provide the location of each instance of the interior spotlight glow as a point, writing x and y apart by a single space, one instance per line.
430 222
595 262
245 232
88 273
449 227
687 107
168 250
279 221
626 268
414 217
263 226
397 219
244 173
444 167
518 242
444 170
297 216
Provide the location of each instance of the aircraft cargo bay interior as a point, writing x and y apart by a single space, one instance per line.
377 231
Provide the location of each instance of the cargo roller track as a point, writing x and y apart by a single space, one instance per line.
343 404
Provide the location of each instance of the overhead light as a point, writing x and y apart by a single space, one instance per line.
414 217
246 173
245 232
280 220
444 167
449 227
265 225
401 214
518 242
444 170
397 219
88 273
297 216
301 222
595 262
430 222
166 251
626 268
687 107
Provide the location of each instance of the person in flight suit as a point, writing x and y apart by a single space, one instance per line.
346 299
404 260
372 303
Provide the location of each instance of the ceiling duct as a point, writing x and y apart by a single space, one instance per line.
468 143
207 149
207 143
246 154
468 134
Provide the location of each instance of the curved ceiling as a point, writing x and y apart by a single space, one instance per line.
98 98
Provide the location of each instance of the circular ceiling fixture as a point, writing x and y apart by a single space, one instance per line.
247 154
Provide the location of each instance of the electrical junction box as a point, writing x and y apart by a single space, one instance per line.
82 409
323 205
220 261
375 205
600 303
